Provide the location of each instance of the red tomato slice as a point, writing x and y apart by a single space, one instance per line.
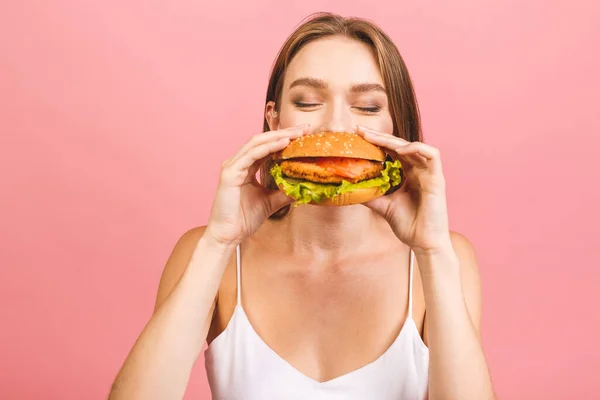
346 167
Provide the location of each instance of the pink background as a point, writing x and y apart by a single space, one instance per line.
115 116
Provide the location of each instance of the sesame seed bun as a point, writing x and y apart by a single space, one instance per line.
331 144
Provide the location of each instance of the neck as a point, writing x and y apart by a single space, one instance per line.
327 232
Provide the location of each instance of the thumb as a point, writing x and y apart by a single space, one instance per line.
276 200
380 205
393 206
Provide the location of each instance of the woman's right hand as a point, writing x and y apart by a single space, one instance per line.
241 203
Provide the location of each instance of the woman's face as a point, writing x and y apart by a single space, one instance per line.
334 84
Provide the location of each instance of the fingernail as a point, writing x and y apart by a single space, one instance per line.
306 128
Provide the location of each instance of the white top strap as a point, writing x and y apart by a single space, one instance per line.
410 284
239 280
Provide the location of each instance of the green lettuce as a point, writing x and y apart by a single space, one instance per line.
305 192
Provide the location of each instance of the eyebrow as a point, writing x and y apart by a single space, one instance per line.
367 87
320 84
315 83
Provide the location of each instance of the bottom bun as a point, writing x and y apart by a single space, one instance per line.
357 196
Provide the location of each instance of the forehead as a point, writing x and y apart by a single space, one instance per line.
337 60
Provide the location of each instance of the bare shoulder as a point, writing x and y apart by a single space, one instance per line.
470 276
177 262
463 247
465 251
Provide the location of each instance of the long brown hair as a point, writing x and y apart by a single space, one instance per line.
400 91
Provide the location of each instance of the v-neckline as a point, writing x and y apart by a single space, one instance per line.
240 310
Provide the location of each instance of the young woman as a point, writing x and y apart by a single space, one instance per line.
370 301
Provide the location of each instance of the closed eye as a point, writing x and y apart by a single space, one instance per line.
371 110
306 105
368 110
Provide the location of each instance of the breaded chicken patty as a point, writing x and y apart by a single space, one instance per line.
323 171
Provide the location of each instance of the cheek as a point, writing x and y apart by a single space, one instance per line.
289 117
382 123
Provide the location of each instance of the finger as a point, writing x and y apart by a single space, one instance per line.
411 156
429 154
382 139
269 136
380 205
237 172
390 138
397 204
259 152
276 200
291 133
391 143
402 147
257 164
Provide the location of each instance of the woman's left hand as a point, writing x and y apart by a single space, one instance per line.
417 212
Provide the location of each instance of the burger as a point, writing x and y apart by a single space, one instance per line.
334 169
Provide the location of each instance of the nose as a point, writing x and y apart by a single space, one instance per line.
337 117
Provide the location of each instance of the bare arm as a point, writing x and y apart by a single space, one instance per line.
160 363
458 369
418 215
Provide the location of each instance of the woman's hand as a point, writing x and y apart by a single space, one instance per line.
241 204
417 212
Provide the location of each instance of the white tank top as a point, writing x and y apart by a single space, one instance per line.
240 365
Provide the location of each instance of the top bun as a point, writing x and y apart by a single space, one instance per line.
331 144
